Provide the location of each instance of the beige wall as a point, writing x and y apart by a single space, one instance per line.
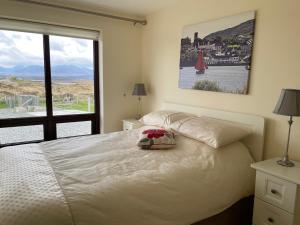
121 55
276 61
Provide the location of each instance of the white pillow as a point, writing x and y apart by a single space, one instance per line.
163 118
211 131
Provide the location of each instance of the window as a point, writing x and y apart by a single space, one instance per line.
73 129
72 77
49 87
22 80
21 134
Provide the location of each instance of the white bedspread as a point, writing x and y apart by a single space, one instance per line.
107 180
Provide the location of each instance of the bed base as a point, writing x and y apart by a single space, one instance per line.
238 214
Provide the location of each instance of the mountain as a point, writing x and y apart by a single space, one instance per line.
59 71
245 28
27 70
72 70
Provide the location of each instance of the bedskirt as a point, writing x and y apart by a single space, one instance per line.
238 214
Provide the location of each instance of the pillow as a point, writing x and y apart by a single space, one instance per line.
156 139
162 118
213 132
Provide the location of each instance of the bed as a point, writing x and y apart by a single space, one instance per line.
106 180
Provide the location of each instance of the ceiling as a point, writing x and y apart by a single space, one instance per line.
139 8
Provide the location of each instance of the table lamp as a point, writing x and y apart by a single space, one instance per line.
139 90
288 105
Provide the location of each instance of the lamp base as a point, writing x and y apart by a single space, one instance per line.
285 162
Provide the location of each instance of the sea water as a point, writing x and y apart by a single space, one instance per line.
228 78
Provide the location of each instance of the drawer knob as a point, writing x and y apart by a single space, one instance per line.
273 191
270 220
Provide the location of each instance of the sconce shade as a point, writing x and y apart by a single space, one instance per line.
288 103
139 90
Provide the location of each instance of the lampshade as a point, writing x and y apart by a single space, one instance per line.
288 103
139 89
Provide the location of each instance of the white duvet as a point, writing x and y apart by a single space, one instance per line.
107 180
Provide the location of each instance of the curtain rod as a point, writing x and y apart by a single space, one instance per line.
134 21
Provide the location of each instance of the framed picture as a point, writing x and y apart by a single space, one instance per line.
216 55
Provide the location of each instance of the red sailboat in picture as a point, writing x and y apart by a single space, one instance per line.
200 65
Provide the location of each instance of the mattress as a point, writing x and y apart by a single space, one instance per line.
107 180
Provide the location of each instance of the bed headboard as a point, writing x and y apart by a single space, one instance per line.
255 141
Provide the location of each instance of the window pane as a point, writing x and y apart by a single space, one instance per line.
22 83
73 129
72 75
21 134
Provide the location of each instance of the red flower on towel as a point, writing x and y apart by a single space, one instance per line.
155 133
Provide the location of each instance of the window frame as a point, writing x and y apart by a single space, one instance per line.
49 121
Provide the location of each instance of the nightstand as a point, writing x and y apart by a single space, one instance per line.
130 124
277 194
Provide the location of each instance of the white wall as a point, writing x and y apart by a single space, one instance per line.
121 55
275 61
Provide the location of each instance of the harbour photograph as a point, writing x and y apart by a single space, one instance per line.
216 55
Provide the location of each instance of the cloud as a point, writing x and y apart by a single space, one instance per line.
14 57
5 40
66 50
82 42
20 48
56 46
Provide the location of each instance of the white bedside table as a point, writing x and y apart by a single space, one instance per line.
277 194
129 124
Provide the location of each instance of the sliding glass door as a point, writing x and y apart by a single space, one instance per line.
49 87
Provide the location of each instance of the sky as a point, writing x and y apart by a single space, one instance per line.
20 48
206 28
